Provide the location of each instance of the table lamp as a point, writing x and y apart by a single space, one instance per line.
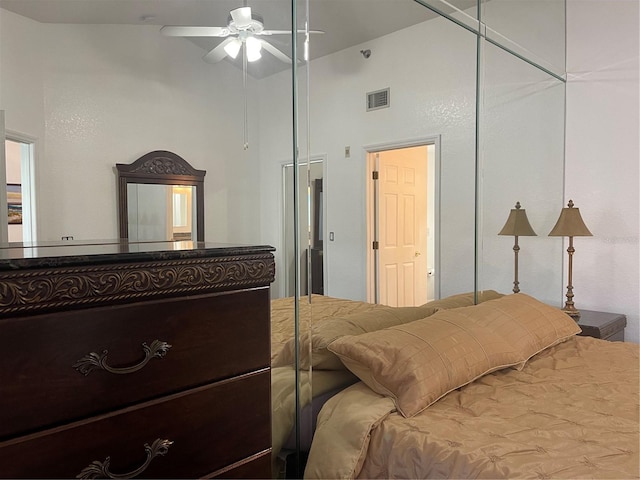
570 224
517 225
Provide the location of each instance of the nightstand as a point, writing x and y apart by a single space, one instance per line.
607 326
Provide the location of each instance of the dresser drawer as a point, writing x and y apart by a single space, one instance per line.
210 427
211 337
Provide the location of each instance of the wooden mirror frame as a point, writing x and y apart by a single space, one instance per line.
163 168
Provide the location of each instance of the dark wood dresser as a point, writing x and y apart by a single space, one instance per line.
135 360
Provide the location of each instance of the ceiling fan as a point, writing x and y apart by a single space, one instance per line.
244 29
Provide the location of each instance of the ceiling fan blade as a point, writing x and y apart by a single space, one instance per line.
218 53
275 52
284 32
241 17
182 31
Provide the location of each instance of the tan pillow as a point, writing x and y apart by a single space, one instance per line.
463 299
529 325
419 362
325 332
322 334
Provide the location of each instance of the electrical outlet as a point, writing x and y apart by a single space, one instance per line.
331 237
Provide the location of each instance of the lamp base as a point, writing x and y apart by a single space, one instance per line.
572 312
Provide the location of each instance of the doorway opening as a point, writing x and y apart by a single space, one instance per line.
19 161
402 223
310 233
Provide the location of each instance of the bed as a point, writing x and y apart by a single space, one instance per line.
503 389
321 322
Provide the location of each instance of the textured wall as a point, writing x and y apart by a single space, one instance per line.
433 94
602 156
97 95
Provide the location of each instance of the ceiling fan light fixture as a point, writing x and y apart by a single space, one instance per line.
254 46
241 17
232 48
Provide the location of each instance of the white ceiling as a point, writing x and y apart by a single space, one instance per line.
345 22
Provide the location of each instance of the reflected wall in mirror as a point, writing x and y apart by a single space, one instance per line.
521 126
108 85
504 26
431 95
160 197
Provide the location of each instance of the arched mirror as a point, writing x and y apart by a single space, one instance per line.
160 197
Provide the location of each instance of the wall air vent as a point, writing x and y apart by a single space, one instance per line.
378 99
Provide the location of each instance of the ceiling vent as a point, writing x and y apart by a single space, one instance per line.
378 99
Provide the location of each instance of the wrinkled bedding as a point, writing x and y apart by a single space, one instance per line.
572 412
330 315
322 308
283 377
283 391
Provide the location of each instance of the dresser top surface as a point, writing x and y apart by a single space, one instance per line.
15 256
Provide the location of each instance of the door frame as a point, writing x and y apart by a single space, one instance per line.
29 217
372 214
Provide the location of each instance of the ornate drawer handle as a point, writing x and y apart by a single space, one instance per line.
90 362
97 469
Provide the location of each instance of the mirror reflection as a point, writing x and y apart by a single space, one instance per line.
502 19
161 212
385 76
161 86
522 147
309 223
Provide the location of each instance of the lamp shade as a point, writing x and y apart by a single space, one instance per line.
570 224
517 224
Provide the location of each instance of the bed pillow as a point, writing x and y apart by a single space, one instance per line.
463 299
326 332
529 325
323 333
419 362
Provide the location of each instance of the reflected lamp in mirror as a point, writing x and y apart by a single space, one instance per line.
517 225
570 224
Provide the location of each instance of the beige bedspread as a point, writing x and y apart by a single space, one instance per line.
283 392
283 377
572 412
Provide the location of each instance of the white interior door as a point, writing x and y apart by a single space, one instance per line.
402 232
